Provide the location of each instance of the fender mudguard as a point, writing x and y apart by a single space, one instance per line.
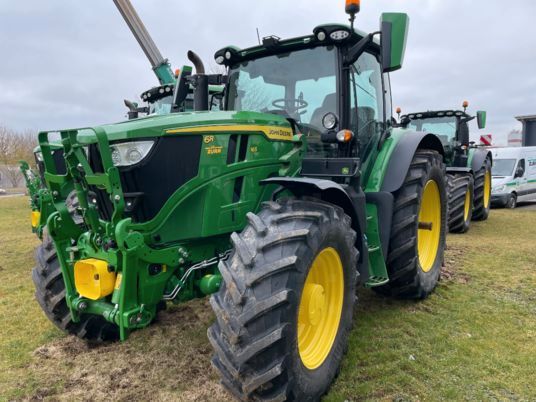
479 156
403 154
348 198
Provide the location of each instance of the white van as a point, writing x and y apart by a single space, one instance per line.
513 176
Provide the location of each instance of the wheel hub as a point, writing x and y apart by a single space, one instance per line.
314 299
320 308
429 226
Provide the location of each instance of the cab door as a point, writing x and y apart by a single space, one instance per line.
370 103
520 175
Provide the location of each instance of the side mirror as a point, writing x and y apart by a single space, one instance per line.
481 119
394 32
519 172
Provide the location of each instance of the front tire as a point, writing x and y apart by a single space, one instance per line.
482 201
512 201
460 194
285 307
50 294
419 228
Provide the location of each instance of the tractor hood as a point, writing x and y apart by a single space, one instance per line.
274 126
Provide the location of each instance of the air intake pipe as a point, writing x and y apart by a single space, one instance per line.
200 83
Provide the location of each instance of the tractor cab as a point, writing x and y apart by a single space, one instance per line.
332 86
450 126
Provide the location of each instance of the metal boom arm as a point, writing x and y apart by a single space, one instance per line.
158 63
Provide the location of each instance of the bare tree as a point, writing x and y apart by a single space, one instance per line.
15 146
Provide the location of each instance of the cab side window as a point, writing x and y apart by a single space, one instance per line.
367 102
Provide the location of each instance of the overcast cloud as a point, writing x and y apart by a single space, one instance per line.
71 63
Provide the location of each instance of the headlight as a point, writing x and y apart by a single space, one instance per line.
130 153
499 189
39 156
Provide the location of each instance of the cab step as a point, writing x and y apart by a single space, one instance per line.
376 281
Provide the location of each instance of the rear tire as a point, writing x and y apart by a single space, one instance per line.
50 294
256 334
460 194
408 276
482 199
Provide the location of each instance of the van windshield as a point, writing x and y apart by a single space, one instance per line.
503 167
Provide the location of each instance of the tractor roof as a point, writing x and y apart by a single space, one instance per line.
271 45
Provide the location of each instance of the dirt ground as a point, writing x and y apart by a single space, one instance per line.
169 361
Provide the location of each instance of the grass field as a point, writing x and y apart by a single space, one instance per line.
474 339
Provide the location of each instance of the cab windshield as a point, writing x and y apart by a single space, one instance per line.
301 85
443 127
503 167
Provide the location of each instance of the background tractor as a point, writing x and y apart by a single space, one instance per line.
468 165
40 198
278 206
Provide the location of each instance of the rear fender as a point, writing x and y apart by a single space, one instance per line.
403 155
479 156
352 201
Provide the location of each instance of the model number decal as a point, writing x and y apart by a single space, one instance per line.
214 150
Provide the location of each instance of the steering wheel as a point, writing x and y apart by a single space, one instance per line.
292 105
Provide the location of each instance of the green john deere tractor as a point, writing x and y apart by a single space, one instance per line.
33 185
279 207
468 165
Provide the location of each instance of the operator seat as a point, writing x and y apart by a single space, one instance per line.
328 105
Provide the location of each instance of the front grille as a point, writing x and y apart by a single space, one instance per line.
148 185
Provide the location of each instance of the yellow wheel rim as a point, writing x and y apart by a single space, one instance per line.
429 231
467 205
320 308
487 188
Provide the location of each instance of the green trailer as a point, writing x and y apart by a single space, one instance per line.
468 165
279 206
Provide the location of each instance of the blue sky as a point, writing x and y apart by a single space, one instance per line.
71 63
